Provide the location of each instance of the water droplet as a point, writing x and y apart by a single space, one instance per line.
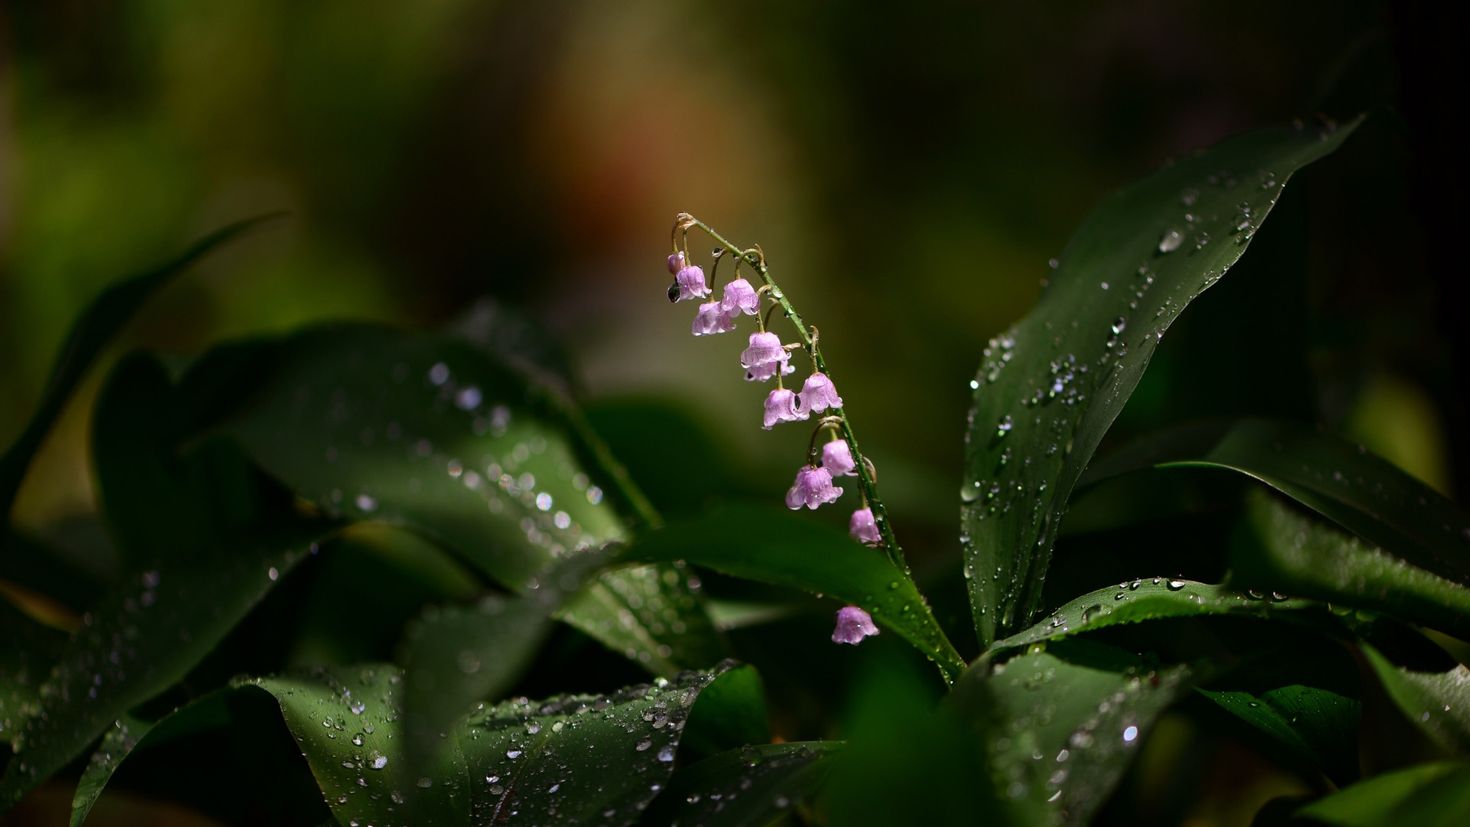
512 754
439 373
1130 734
378 761
1176 585
1171 241
366 503
1004 426
666 754
643 744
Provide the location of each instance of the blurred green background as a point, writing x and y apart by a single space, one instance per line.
908 169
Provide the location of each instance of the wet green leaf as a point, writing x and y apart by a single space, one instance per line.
1083 707
1436 702
1049 388
431 433
752 785
30 649
1341 481
731 713
1283 549
89 334
1315 728
1135 601
772 545
1429 794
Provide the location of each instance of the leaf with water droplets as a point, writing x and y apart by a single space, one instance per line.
1315 728
1355 489
30 649
1436 702
1153 598
1061 376
430 432
1067 720
175 602
751 785
1425 794
772 545
99 322
1283 549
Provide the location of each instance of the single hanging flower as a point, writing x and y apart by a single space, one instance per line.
740 297
813 487
837 457
764 357
689 284
781 407
711 319
676 262
853 624
817 394
863 529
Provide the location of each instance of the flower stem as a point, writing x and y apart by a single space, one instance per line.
867 485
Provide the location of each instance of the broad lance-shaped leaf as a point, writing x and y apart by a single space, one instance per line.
1136 601
143 638
430 432
1289 551
773 545
1363 493
755 784
1049 388
29 650
1315 728
1426 794
89 334
1083 707
1437 702
576 759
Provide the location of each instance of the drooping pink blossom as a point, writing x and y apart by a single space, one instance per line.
676 262
764 357
818 394
853 624
711 320
863 529
813 487
837 458
690 283
781 407
740 297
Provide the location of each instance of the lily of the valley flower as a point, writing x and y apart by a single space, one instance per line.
837 458
739 297
676 262
817 394
863 529
690 284
712 319
813 487
781 407
765 356
853 624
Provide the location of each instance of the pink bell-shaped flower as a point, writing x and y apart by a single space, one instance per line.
689 284
853 624
837 457
863 529
764 357
781 407
711 320
817 394
676 262
813 487
740 297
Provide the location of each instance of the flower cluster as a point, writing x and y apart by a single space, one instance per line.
766 358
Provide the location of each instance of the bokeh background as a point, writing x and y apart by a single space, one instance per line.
909 168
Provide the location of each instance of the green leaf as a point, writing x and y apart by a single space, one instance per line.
455 656
431 433
1083 707
1316 728
1284 550
1436 702
30 649
1049 388
731 713
752 785
772 545
1135 601
576 759
1423 795
1341 481
89 334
